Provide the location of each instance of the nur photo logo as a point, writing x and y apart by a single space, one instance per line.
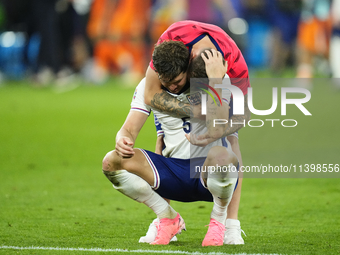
238 103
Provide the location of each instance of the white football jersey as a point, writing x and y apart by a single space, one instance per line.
174 129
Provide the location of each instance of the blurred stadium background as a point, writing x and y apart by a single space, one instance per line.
56 41
67 75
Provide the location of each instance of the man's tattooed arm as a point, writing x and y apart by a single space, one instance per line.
242 119
164 102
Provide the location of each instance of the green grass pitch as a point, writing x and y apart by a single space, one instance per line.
53 194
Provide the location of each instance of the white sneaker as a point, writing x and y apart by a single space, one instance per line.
152 233
233 232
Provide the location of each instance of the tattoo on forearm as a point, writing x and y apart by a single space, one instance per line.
169 104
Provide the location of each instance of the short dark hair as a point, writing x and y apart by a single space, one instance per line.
196 67
170 58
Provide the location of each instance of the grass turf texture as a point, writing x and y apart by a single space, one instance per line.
53 194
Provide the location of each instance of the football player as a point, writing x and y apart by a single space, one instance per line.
181 42
147 177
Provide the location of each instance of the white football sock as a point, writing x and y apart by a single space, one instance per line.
138 189
222 189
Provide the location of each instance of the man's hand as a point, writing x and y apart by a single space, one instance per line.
124 147
214 65
128 133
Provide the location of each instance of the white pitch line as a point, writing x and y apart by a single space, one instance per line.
122 250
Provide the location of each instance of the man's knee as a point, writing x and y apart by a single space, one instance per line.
221 156
137 165
111 162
